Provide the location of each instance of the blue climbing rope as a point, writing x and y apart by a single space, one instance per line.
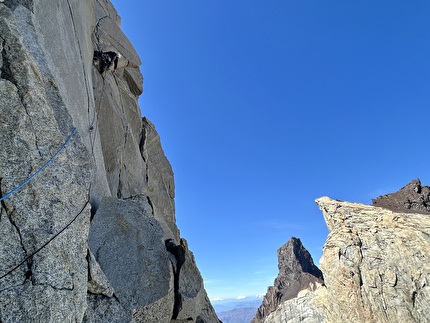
40 169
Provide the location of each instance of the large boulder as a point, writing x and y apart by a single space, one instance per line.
127 242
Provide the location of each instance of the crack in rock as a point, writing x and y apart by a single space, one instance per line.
178 251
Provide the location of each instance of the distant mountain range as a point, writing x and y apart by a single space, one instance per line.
237 310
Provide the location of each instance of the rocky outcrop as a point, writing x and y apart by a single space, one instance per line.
375 263
87 222
297 273
412 197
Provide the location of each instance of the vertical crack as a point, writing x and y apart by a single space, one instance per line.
6 72
3 204
142 143
151 205
178 251
9 216
82 59
96 31
119 190
33 253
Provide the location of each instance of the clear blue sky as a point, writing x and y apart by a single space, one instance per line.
264 106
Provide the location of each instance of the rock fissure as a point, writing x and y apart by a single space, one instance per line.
12 222
178 251
3 203
6 72
27 259
96 31
151 205
119 189
67 289
18 232
84 72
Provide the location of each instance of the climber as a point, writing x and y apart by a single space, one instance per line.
106 61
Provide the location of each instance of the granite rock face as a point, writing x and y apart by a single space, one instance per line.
92 237
297 272
375 263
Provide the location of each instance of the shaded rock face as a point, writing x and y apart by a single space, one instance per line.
412 197
375 263
297 272
85 239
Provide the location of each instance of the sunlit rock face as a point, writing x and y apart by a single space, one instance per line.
375 263
93 236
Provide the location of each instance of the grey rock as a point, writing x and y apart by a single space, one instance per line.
128 244
297 272
109 35
188 285
161 185
112 175
51 212
105 309
98 283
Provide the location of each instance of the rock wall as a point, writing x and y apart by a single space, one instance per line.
92 236
375 263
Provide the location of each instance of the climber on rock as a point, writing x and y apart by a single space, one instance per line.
106 60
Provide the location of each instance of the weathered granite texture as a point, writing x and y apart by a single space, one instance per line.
297 272
93 236
375 263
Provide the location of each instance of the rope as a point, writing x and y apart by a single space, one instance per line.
45 244
40 169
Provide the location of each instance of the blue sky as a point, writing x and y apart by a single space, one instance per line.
264 106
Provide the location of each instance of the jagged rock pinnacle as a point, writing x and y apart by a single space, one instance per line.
297 272
412 197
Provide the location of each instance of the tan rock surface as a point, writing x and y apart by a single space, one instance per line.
376 267
375 263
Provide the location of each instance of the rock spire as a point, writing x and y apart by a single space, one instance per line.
297 272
